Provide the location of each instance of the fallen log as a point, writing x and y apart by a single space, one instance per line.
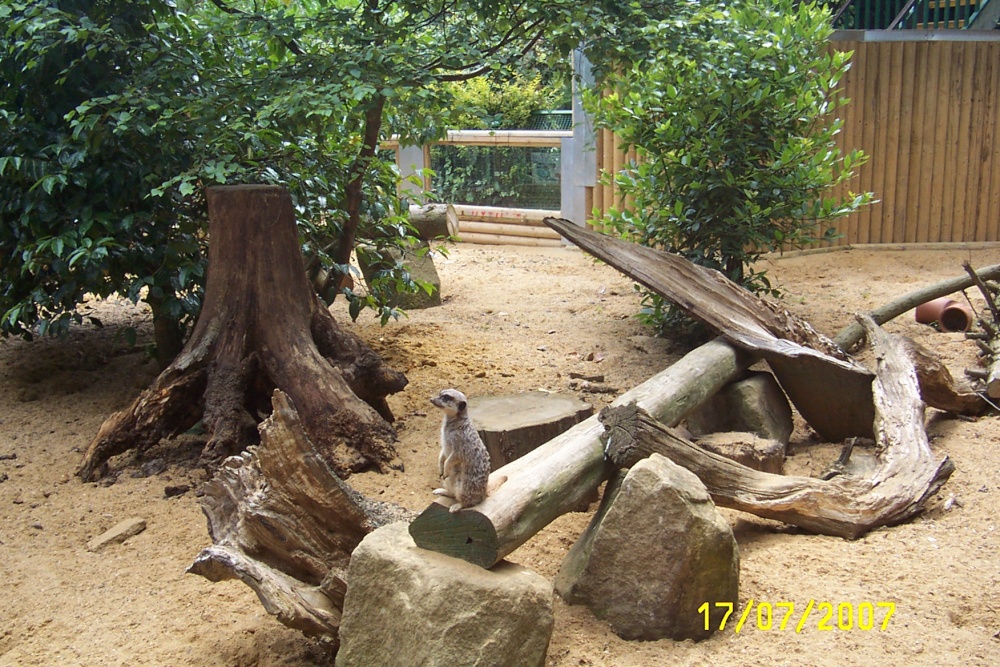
285 525
838 407
852 334
434 220
504 239
846 505
554 478
513 216
502 229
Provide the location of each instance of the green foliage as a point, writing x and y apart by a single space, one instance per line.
495 176
114 115
732 116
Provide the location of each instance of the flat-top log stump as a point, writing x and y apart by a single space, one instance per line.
514 424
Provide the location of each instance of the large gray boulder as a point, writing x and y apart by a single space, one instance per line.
407 606
754 405
656 550
418 262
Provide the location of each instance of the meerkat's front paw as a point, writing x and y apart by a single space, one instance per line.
442 492
454 508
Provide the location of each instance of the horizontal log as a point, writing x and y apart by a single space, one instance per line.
501 239
852 334
434 220
848 505
507 230
502 214
556 477
516 138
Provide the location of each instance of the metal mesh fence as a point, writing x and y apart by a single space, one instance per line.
501 175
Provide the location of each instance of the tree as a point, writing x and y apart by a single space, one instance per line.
161 100
731 111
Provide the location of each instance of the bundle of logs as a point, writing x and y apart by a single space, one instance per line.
282 521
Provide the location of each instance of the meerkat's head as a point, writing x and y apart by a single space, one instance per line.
451 401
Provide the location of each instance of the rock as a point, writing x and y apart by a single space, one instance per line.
416 259
514 424
175 490
756 405
656 550
407 606
747 448
118 534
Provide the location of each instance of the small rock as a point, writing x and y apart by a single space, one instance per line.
178 490
118 534
153 467
756 404
748 449
8 457
3 477
37 526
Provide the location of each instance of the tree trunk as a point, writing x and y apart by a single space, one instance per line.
553 479
847 505
261 327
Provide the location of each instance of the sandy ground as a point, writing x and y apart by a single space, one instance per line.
513 319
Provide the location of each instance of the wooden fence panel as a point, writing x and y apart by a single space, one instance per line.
925 109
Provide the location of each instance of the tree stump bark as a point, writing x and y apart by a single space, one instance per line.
515 424
285 525
261 327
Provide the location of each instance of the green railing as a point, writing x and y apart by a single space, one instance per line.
906 14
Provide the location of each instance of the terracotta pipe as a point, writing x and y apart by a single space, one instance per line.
950 315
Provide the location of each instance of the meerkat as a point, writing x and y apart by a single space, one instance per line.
464 462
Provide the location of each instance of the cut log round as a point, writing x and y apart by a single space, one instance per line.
434 221
261 326
554 478
515 424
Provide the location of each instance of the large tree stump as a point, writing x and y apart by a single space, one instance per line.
515 424
261 327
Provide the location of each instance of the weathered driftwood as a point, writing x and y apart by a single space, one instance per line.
512 425
261 326
846 505
433 221
283 523
854 333
554 478
992 329
938 388
838 407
